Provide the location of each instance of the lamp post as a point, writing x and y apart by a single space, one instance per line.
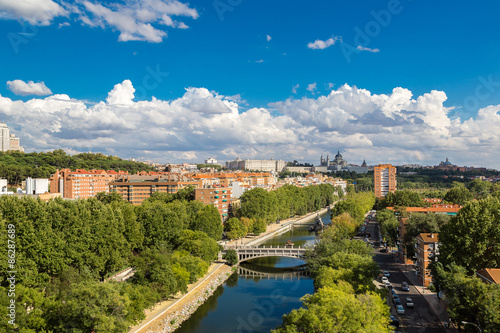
466 322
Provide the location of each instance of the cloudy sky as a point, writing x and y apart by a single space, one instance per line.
170 81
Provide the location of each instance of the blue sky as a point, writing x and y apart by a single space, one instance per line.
276 61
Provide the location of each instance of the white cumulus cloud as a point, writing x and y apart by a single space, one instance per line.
268 38
22 88
323 44
396 127
311 87
36 12
135 19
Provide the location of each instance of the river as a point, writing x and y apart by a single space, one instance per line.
255 298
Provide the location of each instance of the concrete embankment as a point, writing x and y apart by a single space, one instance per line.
167 316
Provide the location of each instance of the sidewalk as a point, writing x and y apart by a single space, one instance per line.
437 305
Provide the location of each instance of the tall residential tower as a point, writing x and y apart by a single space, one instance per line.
385 179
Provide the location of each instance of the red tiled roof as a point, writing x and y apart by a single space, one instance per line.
429 237
491 275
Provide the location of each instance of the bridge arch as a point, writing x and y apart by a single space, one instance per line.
246 253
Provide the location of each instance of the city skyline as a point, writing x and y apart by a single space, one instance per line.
173 81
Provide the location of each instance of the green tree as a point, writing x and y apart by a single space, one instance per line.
404 198
468 298
335 309
472 238
459 195
231 257
259 226
479 188
209 221
235 229
81 311
198 244
389 225
162 223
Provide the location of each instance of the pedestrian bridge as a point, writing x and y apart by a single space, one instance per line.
252 252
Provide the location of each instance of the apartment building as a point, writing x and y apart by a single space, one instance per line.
81 184
219 196
385 180
427 249
136 188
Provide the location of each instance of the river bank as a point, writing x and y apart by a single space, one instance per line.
166 316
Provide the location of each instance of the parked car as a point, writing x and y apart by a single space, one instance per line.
409 303
400 310
397 302
405 286
388 285
383 250
395 297
387 274
394 321
385 280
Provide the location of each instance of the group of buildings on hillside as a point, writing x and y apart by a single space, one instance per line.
271 165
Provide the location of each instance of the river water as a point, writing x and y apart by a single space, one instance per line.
255 298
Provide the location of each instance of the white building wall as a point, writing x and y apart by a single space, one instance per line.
37 185
4 137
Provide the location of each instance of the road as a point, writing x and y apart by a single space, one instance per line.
421 318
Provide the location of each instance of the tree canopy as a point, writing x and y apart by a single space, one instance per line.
472 238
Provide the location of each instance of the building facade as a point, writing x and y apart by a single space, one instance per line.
4 137
37 185
218 196
81 184
385 180
427 249
257 165
136 189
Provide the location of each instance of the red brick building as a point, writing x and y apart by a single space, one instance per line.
219 196
427 248
82 184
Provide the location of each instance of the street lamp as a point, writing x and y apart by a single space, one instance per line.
466 322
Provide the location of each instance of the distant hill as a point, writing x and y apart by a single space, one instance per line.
16 166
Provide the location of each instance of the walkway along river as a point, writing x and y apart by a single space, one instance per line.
255 298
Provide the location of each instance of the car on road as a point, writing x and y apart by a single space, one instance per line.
405 286
387 274
409 303
383 250
400 310
384 279
394 321
388 285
